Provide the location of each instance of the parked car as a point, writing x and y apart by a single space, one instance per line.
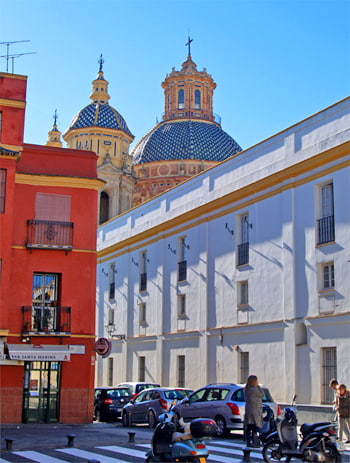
136 387
109 402
150 403
224 403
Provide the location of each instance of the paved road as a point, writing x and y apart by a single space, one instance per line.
104 443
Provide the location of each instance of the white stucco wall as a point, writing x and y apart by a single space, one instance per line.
286 323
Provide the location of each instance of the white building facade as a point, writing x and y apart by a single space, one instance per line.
243 269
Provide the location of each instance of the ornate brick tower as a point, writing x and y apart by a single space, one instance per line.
188 140
101 128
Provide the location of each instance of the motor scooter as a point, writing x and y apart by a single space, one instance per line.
188 446
318 441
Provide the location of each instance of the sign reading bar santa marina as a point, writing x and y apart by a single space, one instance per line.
103 346
31 352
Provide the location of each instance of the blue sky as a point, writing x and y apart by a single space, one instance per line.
274 62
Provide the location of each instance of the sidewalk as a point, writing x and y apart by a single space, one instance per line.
54 435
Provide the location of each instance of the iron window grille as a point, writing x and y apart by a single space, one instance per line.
47 234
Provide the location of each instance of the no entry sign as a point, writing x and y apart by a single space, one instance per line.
102 346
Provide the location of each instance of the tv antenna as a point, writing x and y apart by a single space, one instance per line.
16 55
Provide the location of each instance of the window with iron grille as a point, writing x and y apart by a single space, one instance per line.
182 259
3 173
142 368
111 278
325 223
244 366
329 371
243 240
44 301
181 369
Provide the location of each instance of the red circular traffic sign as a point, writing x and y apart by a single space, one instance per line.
102 346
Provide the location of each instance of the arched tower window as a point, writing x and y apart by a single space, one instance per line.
181 99
197 99
104 207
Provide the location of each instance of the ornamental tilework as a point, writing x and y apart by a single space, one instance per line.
185 140
99 115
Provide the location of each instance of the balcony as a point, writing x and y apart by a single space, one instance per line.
242 254
46 234
48 319
325 230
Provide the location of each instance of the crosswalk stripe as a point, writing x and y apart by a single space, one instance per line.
124 450
38 457
90 455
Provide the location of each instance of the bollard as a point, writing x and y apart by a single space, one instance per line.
70 442
131 437
8 441
246 453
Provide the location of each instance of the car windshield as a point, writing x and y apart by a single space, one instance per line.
176 394
117 393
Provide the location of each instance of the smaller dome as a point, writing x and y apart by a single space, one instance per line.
99 115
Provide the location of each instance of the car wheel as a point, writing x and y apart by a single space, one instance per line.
221 430
125 420
152 420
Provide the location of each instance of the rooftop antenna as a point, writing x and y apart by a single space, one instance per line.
17 55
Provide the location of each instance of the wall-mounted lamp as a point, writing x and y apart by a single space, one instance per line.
229 229
110 327
134 262
172 250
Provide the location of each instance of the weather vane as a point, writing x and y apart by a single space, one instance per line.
101 61
188 44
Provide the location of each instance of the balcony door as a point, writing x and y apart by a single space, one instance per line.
44 301
41 392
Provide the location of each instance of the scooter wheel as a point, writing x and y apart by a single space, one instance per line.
272 452
330 454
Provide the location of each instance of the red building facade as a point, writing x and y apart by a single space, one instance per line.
48 219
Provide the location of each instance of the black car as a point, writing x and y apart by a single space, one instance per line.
109 402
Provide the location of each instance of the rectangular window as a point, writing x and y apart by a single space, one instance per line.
142 313
52 207
143 271
111 279
142 368
110 372
243 240
181 306
181 371
325 223
327 276
242 293
329 371
3 173
244 366
182 248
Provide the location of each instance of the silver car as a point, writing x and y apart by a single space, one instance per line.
223 403
150 403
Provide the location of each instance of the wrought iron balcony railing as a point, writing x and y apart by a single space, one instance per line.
243 254
46 319
46 234
325 230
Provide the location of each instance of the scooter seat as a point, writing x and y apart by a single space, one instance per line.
307 428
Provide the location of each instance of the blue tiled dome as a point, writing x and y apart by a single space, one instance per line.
175 140
99 115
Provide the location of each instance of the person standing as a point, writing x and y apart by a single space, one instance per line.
342 401
333 384
253 418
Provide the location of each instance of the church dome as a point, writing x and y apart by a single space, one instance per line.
99 114
185 139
